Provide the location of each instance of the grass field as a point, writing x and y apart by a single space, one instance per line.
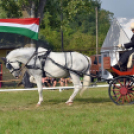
93 113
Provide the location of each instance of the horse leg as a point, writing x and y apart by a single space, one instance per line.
86 82
40 90
77 87
32 79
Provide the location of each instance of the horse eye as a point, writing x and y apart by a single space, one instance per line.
9 66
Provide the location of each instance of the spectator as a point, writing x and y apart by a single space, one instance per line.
46 81
62 81
66 81
53 82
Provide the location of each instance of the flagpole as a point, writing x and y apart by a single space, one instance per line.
38 35
96 9
62 45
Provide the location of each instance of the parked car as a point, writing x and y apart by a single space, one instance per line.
96 67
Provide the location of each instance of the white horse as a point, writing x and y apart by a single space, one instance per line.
54 64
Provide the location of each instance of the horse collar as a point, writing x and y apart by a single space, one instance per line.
34 66
45 55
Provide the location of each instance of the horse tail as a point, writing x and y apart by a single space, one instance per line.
86 78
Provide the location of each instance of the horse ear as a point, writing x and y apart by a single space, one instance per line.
4 59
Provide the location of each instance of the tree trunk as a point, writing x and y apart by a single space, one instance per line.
31 13
33 10
41 9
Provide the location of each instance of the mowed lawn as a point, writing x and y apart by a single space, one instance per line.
93 113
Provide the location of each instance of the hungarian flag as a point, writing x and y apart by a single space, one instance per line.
28 27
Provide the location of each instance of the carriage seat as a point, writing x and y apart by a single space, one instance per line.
130 62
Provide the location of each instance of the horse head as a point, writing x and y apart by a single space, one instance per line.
13 66
15 58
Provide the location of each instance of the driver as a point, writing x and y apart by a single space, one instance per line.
122 64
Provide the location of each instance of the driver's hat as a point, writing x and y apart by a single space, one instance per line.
132 26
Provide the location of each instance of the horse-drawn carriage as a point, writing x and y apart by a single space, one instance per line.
121 87
121 83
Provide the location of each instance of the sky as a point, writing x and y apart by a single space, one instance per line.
123 10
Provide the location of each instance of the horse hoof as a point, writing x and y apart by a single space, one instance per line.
69 103
38 105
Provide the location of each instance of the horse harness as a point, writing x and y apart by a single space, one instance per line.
42 59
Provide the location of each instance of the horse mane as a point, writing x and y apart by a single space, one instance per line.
23 51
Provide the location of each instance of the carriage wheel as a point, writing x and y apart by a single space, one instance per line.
121 90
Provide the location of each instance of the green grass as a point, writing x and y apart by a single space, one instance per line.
93 113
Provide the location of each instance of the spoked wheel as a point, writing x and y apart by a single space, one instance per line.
121 90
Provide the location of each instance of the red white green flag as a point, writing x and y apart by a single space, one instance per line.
28 27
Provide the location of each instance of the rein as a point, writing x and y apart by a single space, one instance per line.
34 65
28 61
80 73
45 56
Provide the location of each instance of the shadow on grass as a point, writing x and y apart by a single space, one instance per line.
93 100
85 100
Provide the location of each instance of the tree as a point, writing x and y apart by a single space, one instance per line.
24 8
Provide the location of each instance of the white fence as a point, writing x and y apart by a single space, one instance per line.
51 88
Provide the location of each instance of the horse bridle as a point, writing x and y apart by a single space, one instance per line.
9 66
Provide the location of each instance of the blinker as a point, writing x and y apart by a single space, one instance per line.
9 66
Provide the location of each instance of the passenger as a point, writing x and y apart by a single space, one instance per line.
122 64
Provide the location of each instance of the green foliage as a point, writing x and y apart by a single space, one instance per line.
48 34
82 42
78 24
14 8
11 8
3 14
